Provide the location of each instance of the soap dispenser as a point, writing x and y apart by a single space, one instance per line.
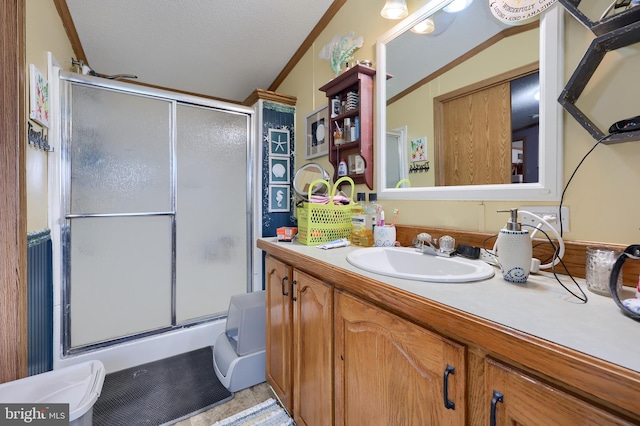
514 250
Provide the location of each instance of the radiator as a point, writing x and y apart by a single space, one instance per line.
39 302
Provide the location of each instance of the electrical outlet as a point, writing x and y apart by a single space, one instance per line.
548 213
488 257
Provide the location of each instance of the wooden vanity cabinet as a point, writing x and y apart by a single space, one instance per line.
299 348
313 351
367 354
516 398
279 353
389 371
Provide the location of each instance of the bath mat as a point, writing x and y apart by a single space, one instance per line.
160 392
267 413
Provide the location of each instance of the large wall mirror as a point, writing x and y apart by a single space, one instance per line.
469 50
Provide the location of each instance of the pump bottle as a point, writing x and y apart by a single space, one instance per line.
514 250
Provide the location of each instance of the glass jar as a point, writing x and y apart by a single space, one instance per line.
600 261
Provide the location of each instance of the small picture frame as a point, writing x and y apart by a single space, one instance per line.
279 170
419 149
38 97
279 143
317 131
279 198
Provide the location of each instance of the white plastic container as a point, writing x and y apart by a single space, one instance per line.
239 354
78 385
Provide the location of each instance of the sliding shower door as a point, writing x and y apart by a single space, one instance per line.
212 250
156 229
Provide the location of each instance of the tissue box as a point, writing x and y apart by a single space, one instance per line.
286 233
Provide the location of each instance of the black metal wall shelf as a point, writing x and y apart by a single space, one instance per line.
612 40
606 24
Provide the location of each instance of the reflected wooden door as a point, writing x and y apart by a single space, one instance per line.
473 137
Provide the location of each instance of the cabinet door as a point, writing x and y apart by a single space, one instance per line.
279 330
313 330
390 371
515 398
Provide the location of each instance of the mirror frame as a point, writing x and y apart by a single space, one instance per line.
549 186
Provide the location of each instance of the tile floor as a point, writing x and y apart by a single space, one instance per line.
241 401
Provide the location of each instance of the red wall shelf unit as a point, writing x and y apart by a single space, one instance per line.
353 92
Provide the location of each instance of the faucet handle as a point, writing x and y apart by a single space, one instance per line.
447 244
424 238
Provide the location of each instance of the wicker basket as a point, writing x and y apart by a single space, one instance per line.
321 223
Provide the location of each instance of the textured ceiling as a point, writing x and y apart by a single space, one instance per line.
220 48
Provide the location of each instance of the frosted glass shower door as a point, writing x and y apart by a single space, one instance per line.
213 210
119 213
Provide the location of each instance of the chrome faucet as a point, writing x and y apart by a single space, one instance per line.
424 243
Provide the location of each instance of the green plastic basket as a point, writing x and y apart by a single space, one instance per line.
321 223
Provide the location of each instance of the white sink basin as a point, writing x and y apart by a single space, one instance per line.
406 262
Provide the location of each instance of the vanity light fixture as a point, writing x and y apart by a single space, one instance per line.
426 26
457 6
394 9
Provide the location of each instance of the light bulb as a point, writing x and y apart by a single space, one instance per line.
425 27
394 9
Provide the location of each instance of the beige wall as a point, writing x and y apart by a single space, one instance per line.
602 196
44 34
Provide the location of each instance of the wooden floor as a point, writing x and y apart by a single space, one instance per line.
241 400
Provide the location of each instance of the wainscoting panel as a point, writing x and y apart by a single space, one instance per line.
40 302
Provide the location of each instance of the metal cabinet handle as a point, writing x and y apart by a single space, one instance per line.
448 404
284 293
497 397
293 297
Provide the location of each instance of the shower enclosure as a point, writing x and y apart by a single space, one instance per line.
155 211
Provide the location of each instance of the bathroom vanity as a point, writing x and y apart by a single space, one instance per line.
350 347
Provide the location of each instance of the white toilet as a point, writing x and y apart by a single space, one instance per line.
239 356
78 385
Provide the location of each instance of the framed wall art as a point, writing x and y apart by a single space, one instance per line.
38 97
279 170
279 142
419 149
317 128
279 198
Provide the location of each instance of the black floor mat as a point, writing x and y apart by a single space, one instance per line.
160 392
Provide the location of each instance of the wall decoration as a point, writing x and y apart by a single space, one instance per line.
419 168
279 198
518 12
279 170
275 115
317 128
340 50
39 97
419 149
38 138
279 142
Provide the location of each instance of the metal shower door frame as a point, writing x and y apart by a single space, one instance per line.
67 80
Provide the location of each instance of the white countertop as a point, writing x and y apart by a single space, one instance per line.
541 307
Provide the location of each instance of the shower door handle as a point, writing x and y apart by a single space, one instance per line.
284 292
